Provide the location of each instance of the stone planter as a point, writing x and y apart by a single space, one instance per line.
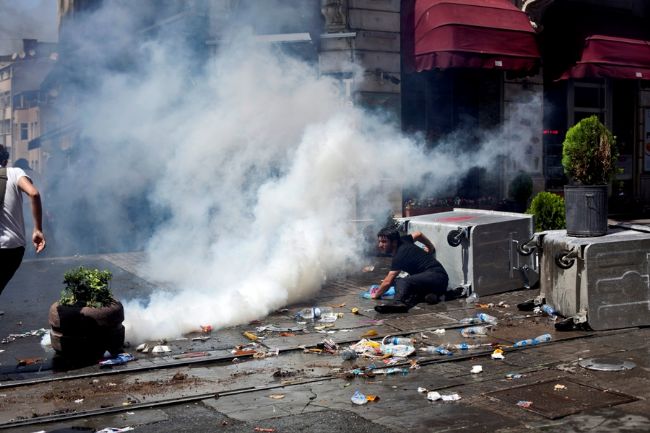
87 332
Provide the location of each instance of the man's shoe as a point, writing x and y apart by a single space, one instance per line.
432 299
455 293
394 307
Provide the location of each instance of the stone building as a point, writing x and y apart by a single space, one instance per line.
530 67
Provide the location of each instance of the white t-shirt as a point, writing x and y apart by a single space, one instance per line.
12 224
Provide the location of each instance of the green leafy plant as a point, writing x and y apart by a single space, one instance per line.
87 288
521 188
548 209
589 153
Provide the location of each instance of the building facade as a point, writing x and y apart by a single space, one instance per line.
471 65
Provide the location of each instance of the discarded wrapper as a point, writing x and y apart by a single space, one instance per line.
524 403
559 387
120 359
497 354
358 398
161 349
476 369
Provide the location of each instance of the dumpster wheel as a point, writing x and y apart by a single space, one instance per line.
563 261
455 237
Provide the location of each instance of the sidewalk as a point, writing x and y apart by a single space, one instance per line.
213 389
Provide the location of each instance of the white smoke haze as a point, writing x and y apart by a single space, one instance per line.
252 169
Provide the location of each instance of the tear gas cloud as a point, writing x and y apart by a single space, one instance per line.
239 178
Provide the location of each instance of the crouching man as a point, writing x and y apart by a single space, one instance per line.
427 280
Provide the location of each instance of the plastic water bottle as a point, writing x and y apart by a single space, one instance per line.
436 350
471 299
399 340
470 321
326 314
533 341
308 313
400 350
486 318
474 331
549 310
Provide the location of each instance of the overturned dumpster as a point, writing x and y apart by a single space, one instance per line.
602 281
481 249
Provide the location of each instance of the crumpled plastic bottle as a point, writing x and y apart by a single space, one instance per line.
533 341
474 331
400 350
120 359
359 398
486 318
440 350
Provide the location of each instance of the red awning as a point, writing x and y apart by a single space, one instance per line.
611 57
473 34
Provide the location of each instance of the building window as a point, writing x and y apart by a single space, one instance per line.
24 133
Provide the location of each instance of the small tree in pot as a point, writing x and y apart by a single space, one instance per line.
87 319
589 158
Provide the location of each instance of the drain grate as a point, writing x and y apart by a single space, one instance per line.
560 397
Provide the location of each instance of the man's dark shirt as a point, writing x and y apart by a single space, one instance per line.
413 259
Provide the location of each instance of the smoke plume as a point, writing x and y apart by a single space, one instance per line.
240 177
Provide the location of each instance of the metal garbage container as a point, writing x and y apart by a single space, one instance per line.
480 248
604 278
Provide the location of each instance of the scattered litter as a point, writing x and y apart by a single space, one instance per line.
46 341
414 364
160 349
276 396
440 350
433 396
533 341
349 354
287 334
341 305
524 403
29 361
372 397
367 348
392 370
262 429
559 387
200 338
358 398
275 328
474 331
79 400
511 376
144 348
250 336
476 369
497 354
120 359
370 333
423 336
422 390
328 345
440 331
401 350
450 397
191 355
502 304
368 268
114 430
35 333
206 329
354 310
388 294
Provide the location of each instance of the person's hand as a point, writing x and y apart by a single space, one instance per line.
38 240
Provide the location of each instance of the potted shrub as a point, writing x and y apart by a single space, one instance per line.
87 319
548 211
589 158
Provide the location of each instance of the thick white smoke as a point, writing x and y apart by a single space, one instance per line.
252 168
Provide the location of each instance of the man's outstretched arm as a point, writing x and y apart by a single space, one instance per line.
38 239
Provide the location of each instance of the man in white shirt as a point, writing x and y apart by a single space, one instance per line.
14 182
